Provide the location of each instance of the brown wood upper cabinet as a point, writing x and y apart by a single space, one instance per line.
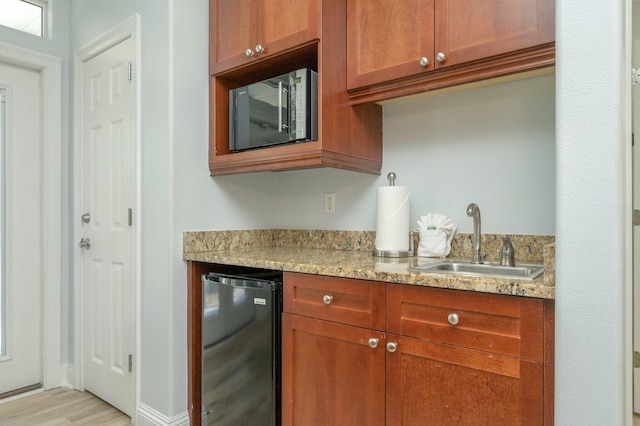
391 40
294 34
245 30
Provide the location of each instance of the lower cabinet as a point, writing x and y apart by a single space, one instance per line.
370 353
331 376
434 384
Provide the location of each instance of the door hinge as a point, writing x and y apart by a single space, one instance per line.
636 359
636 217
130 217
130 70
131 362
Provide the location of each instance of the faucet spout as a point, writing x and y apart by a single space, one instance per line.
474 211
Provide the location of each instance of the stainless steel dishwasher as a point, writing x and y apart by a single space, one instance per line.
241 337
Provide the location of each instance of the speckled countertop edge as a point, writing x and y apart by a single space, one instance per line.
361 264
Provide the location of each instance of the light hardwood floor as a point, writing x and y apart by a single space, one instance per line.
60 407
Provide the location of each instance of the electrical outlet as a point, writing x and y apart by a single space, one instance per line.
329 203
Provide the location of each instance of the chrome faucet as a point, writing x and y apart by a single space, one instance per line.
474 211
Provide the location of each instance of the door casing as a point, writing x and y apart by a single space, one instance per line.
50 69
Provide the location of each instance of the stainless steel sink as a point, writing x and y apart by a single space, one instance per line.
521 272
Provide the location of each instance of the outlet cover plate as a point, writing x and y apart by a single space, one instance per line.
329 203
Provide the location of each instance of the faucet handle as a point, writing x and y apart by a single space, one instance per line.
507 253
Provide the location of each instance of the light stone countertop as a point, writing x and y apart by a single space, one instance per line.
361 264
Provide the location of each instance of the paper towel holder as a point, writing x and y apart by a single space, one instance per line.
392 179
397 253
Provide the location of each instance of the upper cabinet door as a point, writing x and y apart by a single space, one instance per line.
285 24
388 39
233 31
468 30
243 31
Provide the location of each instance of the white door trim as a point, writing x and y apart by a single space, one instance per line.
130 28
50 69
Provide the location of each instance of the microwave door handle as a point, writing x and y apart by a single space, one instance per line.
280 126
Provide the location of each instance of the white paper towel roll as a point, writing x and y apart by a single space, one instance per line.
392 218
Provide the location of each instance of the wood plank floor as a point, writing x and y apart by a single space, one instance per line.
60 407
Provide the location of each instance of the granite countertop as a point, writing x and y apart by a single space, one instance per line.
359 264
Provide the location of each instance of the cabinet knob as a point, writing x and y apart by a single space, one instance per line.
259 48
373 342
327 299
392 346
441 57
249 53
453 319
424 62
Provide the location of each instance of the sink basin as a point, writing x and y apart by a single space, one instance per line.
521 272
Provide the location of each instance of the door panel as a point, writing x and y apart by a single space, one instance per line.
234 30
387 39
429 383
21 274
467 30
330 374
108 194
278 31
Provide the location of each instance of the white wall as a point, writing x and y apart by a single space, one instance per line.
493 145
593 291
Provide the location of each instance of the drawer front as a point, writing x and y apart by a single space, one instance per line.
343 300
505 325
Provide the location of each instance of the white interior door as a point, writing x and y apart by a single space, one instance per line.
108 197
20 229
635 103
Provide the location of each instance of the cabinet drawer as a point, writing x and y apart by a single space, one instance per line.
505 325
343 300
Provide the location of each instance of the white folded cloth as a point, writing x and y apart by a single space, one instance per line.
436 233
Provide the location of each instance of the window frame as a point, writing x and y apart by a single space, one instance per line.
45 19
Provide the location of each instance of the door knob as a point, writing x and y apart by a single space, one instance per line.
327 299
249 53
441 57
373 342
86 218
84 243
392 346
259 48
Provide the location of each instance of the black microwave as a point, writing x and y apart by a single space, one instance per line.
279 110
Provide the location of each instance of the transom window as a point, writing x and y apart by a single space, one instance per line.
28 16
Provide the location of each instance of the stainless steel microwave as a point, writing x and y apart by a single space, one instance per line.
279 110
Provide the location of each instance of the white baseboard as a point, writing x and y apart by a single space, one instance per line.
68 376
146 415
